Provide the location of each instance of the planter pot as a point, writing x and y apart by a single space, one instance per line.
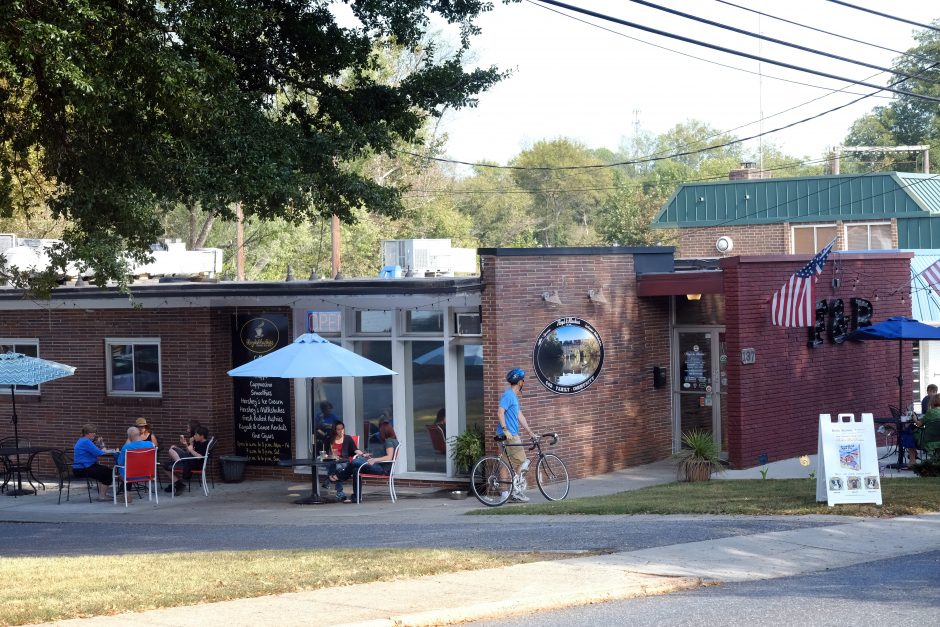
233 468
701 471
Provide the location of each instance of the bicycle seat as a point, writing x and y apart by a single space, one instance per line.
499 438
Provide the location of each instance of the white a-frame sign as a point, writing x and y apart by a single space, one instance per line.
848 460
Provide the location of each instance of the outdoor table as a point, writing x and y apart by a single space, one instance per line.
897 437
31 451
314 498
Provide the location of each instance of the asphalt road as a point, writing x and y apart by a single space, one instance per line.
896 592
609 533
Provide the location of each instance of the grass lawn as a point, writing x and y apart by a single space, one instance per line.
42 589
753 497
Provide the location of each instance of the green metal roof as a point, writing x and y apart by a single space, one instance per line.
882 195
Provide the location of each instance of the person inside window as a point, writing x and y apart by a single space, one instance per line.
324 425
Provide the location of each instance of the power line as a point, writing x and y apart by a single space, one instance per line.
648 159
692 56
887 15
739 53
823 31
781 42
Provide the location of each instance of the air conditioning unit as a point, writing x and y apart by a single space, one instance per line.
468 323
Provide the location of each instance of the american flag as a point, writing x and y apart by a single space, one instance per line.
794 304
932 276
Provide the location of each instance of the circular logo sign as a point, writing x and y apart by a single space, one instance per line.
259 335
569 355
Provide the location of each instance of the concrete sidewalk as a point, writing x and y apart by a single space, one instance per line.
527 588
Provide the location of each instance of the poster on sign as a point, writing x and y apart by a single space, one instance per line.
848 460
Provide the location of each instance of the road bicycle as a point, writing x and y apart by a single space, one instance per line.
494 479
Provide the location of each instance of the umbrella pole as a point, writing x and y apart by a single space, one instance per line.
19 491
901 404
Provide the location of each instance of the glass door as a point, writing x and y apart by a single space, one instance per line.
697 382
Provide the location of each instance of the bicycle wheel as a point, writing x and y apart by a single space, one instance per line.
552 478
491 481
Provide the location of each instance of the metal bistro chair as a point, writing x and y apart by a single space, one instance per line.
140 466
202 470
390 477
65 472
12 469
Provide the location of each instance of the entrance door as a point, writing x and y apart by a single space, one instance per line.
697 382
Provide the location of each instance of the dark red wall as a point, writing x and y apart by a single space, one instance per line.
774 404
621 420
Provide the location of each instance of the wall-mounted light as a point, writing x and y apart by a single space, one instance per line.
597 296
552 297
694 296
724 244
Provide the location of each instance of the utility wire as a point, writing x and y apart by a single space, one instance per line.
781 42
887 15
823 31
692 56
651 158
739 53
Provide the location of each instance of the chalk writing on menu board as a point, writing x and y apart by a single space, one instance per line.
262 404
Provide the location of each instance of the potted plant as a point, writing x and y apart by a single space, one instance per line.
698 458
466 449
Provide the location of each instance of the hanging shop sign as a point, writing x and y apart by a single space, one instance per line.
569 355
832 321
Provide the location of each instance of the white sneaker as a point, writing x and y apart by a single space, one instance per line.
521 497
504 495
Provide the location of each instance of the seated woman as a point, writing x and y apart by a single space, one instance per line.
146 435
372 464
343 448
929 419
85 461
194 449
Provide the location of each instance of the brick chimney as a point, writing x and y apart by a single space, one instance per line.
748 170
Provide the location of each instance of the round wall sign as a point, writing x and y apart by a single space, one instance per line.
259 335
569 355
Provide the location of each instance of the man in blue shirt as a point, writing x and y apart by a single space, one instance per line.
133 443
510 418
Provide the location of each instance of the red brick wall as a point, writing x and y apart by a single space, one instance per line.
755 239
195 348
774 404
620 420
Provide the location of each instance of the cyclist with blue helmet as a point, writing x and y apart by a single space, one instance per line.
510 418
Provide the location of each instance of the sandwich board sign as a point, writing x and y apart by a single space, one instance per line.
848 459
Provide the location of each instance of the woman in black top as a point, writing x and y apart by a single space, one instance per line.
343 448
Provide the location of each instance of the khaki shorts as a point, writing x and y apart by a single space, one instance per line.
516 453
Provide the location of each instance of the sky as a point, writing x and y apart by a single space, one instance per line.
574 80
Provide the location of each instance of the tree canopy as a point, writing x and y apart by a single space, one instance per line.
112 113
908 120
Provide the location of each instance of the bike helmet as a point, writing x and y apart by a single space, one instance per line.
515 375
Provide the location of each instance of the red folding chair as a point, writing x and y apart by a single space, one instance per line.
140 466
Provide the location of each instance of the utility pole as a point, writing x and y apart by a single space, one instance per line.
239 243
335 266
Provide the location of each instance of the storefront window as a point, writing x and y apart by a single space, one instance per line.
471 387
133 367
374 322
374 396
30 348
424 322
427 429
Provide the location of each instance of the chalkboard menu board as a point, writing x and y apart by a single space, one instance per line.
262 404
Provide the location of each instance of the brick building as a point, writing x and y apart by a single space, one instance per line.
626 349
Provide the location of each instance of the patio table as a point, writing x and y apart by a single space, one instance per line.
898 423
314 498
31 452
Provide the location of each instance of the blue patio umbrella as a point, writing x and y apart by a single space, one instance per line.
18 369
900 329
311 356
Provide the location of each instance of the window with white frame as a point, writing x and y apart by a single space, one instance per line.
810 239
868 236
374 322
27 347
133 367
424 321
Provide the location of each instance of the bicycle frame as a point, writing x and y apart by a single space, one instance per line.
533 445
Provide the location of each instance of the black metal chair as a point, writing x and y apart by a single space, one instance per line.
18 465
65 474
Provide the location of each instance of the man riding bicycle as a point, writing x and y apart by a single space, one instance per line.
510 417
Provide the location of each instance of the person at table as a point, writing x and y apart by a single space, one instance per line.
925 402
134 442
85 461
372 464
343 448
190 451
146 434
324 425
931 416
